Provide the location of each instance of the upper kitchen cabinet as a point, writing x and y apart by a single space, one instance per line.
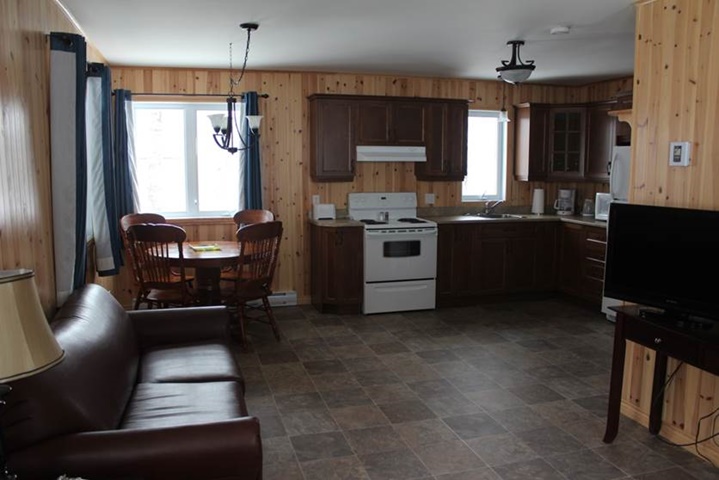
340 123
445 141
566 143
332 142
531 134
394 122
601 138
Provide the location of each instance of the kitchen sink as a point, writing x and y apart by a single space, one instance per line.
499 215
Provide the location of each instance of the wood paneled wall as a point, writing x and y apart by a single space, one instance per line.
25 201
288 188
676 98
25 218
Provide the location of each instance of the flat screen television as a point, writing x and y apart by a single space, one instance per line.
663 257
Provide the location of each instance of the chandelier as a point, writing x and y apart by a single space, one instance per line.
514 70
224 125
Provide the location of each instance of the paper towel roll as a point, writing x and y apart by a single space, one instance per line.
538 201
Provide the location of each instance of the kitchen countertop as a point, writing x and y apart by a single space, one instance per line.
578 219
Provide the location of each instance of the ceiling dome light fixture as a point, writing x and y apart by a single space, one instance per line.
515 71
225 124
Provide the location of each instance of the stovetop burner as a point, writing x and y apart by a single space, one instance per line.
369 221
411 220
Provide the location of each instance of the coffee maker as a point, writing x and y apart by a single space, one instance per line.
564 204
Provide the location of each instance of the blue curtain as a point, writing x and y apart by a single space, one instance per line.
68 160
102 217
253 174
124 164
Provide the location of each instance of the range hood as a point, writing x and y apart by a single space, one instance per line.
374 153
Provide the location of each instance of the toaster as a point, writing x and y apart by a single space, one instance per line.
323 211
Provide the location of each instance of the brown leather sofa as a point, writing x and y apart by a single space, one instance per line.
148 394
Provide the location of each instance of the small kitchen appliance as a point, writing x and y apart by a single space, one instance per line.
400 252
601 206
323 211
564 204
588 208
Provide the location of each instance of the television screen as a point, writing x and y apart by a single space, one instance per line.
664 257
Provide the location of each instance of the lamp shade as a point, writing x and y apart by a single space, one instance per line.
254 121
516 75
219 122
27 345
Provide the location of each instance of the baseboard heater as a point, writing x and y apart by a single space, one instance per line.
279 299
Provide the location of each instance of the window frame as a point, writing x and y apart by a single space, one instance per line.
192 189
501 160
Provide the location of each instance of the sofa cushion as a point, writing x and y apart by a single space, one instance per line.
161 405
202 362
90 388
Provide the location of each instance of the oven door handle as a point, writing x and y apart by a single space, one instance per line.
430 232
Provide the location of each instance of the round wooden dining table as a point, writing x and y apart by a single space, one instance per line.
208 265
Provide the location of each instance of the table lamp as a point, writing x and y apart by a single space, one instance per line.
27 345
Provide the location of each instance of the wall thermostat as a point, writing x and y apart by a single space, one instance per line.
679 154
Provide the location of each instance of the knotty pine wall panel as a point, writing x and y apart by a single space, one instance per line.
676 98
25 199
287 185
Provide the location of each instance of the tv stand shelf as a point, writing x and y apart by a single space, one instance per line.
688 341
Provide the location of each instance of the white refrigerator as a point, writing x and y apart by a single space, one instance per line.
619 189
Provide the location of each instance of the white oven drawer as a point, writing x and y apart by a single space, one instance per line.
399 296
400 256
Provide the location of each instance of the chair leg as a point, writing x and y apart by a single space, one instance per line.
241 321
271 317
138 300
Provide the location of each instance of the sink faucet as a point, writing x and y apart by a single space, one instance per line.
489 206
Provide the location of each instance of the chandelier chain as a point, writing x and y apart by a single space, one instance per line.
244 63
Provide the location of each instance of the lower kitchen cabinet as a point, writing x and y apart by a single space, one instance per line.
477 260
337 268
581 267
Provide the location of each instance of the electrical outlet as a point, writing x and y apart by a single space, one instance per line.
315 199
429 198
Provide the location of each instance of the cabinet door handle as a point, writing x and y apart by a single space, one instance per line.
657 340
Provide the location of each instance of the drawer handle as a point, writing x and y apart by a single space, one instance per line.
657 340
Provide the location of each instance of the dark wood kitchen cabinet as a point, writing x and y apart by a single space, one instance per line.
601 138
477 259
337 277
567 136
390 122
332 139
531 138
569 143
446 142
582 253
341 122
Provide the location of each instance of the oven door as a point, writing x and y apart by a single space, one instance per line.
400 255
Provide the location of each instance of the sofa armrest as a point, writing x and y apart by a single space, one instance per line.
180 325
229 450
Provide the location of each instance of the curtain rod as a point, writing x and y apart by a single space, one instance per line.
262 95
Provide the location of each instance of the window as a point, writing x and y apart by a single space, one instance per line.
486 157
181 172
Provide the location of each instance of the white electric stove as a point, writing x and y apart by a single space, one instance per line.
400 252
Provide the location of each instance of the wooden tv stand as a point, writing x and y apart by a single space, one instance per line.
693 342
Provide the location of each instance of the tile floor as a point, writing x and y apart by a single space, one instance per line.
509 391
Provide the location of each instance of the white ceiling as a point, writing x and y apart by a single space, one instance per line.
445 38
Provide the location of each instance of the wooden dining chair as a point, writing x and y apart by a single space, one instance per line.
251 216
259 246
135 219
243 218
162 282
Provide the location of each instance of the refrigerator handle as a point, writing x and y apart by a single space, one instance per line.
612 175
609 167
